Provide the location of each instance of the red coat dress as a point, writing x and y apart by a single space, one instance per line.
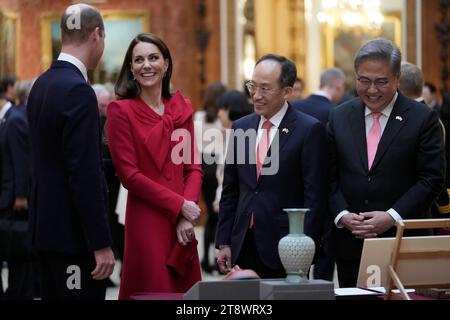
141 146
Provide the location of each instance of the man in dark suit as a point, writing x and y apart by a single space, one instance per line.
387 158
294 175
14 192
69 214
411 85
319 105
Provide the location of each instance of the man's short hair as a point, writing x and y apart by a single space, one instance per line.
288 69
76 29
2 90
329 77
24 90
6 82
380 49
100 89
411 80
430 86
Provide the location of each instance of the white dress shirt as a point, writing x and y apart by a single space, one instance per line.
77 63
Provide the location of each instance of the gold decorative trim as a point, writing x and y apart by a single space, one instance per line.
48 18
329 34
9 15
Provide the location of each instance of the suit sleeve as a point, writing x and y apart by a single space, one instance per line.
120 142
315 178
83 165
430 164
192 171
17 139
336 200
230 195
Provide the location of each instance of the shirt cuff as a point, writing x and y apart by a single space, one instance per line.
339 216
394 214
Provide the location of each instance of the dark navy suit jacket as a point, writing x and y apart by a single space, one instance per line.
407 173
14 158
68 204
319 107
299 182
316 106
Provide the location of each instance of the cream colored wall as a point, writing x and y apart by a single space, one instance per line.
280 29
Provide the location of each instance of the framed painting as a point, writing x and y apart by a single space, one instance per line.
120 29
9 43
342 45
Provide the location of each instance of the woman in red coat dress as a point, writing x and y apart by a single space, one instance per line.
151 138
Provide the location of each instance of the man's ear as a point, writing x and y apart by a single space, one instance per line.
98 33
287 92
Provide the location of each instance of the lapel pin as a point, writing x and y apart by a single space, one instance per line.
398 118
285 130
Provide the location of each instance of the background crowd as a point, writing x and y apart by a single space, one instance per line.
360 161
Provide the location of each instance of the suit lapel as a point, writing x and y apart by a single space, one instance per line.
358 129
396 121
287 126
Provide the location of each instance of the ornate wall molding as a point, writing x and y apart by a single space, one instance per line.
443 35
202 37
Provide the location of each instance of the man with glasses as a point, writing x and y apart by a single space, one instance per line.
68 195
277 158
387 158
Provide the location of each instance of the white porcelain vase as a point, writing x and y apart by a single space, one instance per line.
296 250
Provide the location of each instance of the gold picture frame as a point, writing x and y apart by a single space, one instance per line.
120 28
9 43
342 45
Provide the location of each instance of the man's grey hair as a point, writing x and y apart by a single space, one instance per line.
411 80
24 90
329 77
380 49
100 89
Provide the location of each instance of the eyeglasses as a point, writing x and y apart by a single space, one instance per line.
378 83
252 88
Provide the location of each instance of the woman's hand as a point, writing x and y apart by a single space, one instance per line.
185 231
191 211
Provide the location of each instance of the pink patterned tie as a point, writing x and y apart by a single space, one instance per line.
373 138
261 153
263 147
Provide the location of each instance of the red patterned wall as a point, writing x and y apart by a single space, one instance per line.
175 21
